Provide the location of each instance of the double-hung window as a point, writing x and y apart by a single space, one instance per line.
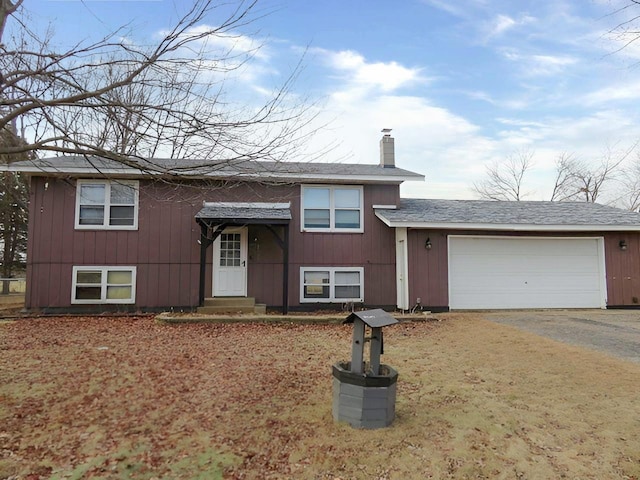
332 208
331 285
107 204
103 285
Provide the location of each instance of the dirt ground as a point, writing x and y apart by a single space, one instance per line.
132 398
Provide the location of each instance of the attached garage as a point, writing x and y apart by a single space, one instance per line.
478 254
526 272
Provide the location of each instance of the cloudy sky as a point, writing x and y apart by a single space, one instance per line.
463 84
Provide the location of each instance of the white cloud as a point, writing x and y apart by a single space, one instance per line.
613 93
540 65
360 74
501 23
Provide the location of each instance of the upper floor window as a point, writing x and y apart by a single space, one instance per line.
332 208
107 204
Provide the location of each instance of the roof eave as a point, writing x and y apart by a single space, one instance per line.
508 227
265 176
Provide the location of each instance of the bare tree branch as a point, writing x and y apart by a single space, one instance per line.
505 180
122 101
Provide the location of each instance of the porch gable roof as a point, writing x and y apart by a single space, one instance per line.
244 213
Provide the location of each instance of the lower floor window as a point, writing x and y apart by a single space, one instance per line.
331 285
103 285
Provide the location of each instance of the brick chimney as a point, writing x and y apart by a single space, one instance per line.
387 150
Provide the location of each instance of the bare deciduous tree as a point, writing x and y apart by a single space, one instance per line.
14 200
118 100
505 180
627 31
630 197
563 188
576 180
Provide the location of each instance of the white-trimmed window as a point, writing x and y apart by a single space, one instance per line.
107 204
332 208
103 285
331 285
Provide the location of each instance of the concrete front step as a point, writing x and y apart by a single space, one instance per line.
232 305
229 302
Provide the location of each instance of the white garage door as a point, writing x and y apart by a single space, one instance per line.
517 272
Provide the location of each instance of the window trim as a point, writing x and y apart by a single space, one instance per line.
332 208
104 270
332 284
105 221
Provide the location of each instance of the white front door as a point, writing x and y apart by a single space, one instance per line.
230 263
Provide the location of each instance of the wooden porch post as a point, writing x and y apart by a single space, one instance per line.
285 271
203 262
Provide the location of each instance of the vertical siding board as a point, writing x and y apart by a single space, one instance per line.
89 239
634 247
142 285
177 231
78 248
122 241
57 234
141 237
45 217
173 283
132 250
152 291
55 276
153 239
615 270
33 233
43 289
189 285
164 280
68 224
110 248
101 246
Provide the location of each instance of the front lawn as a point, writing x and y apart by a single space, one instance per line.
132 398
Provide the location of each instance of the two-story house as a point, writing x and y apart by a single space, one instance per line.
167 234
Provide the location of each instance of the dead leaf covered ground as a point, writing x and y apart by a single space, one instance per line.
132 398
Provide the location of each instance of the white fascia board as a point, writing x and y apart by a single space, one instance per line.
511 227
384 220
385 207
191 174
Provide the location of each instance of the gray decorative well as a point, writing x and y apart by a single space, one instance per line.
364 394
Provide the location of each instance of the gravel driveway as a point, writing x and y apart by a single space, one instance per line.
615 332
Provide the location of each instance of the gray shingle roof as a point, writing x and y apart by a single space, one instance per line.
508 215
238 211
276 171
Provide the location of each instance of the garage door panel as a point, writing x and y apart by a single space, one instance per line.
521 282
512 246
489 272
480 301
513 263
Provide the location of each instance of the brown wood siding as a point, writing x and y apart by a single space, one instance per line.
428 269
623 269
165 247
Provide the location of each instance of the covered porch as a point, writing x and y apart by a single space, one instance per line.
226 227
